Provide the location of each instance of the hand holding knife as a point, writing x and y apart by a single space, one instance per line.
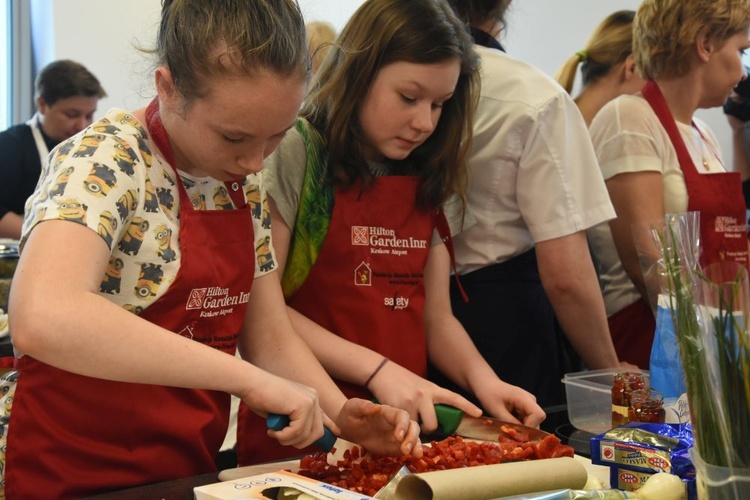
452 420
335 447
276 422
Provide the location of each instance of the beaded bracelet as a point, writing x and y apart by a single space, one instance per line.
372 376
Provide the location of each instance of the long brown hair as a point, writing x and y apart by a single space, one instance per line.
379 33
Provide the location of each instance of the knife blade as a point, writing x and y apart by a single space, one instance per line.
453 421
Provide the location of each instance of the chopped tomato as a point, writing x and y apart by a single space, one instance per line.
563 450
514 433
547 446
369 475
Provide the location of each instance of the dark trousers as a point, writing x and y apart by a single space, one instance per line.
511 321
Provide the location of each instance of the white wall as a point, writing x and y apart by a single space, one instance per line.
106 45
546 33
336 12
542 32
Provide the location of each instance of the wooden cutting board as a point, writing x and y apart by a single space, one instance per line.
254 470
598 471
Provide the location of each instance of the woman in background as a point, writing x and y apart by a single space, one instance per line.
658 157
607 65
320 37
67 95
358 190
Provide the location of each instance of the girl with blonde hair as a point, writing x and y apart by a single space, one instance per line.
607 65
320 38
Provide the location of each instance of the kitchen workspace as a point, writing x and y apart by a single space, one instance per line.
461 441
428 249
511 459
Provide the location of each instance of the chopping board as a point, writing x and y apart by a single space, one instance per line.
254 470
598 471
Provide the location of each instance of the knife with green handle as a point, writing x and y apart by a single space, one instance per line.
453 421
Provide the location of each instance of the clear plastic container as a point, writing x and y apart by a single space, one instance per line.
589 398
720 483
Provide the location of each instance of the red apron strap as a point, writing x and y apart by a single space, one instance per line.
235 192
444 230
655 98
155 127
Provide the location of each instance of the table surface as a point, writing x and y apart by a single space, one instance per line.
182 489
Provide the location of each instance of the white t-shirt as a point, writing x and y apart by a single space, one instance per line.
628 137
111 179
533 175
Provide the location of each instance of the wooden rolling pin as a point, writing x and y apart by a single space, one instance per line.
493 481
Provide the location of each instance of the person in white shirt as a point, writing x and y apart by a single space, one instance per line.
534 188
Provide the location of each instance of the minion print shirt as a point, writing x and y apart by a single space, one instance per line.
111 179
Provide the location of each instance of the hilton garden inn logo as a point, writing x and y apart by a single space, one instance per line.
383 240
195 300
360 235
215 297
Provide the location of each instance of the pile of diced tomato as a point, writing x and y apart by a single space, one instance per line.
368 475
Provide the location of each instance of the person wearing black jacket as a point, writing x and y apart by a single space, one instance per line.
737 109
66 96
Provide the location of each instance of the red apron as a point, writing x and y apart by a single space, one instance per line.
73 436
718 197
366 286
632 330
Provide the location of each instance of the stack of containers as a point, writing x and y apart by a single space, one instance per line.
633 456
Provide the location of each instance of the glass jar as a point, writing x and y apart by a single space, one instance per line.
624 384
647 405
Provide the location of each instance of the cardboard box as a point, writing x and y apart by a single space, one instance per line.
639 457
654 453
267 485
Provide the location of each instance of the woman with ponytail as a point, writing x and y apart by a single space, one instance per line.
607 65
